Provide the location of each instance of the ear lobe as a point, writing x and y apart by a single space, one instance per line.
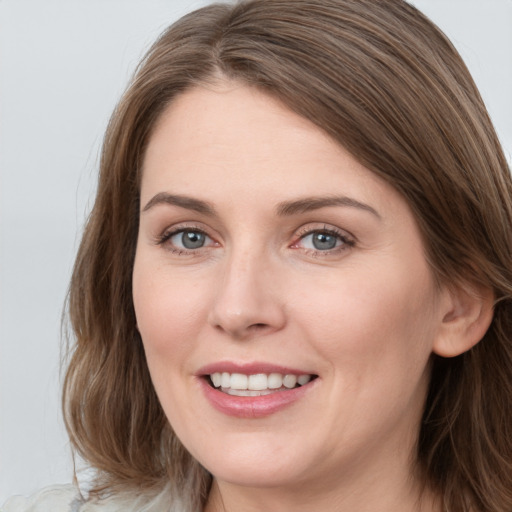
467 316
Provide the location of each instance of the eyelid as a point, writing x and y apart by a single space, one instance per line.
316 227
347 239
164 237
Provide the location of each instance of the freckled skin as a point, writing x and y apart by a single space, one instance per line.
363 315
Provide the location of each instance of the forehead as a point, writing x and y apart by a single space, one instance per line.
208 119
231 139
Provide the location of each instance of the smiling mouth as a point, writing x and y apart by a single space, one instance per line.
259 384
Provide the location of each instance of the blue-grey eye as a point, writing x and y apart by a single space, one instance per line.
188 239
324 241
321 241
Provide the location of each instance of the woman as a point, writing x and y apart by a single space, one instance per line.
294 289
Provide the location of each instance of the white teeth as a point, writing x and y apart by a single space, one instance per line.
216 379
226 380
289 381
275 381
248 392
258 383
239 381
303 379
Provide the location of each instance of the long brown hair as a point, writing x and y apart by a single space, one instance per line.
382 80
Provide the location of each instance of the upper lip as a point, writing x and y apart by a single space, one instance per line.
249 368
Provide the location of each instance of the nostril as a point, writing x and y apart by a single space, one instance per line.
258 327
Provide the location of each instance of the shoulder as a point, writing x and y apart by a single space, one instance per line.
67 498
57 498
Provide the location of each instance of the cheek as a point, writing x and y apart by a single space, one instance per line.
167 312
373 334
379 320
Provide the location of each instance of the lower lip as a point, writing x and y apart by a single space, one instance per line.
252 406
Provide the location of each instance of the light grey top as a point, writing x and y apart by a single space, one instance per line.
67 498
59 498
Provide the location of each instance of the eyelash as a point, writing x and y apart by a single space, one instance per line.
346 240
167 235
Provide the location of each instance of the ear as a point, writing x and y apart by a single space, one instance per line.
467 314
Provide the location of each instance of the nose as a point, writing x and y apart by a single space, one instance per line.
247 302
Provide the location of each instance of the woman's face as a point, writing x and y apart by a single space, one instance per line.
268 258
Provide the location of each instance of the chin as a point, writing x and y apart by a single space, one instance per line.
242 474
255 464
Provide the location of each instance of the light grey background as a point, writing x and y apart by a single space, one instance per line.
63 65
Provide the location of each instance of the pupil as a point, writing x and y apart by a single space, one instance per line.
192 239
323 241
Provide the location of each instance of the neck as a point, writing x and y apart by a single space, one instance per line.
372 495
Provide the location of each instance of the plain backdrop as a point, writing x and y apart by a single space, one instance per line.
63 66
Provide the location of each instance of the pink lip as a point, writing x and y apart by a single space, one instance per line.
251 406
248 368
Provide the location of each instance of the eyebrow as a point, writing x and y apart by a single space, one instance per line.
308 204
284 209
182 201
